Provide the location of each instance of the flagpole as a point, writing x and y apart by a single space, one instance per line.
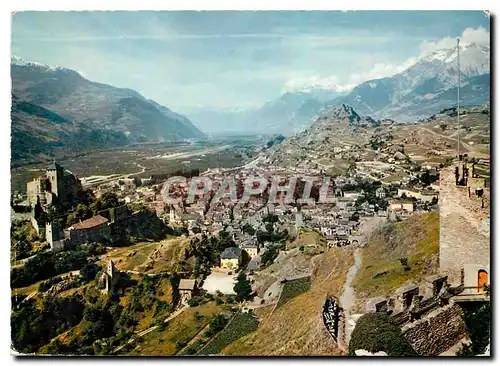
458 98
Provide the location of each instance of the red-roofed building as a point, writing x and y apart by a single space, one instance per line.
91 230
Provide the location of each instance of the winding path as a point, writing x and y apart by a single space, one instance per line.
348 298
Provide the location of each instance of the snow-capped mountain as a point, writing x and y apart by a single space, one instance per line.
323 94
18 61
425 87
422 89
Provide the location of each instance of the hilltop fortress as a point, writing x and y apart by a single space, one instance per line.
56 185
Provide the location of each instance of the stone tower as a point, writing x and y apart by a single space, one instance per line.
54 173
464 229
112 276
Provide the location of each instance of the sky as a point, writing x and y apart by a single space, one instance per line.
233 59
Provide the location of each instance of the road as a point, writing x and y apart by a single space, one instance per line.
190 154
112 177
251 164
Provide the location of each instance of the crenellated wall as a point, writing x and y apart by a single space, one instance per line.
436 332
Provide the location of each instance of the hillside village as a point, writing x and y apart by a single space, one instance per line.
107 250
251 183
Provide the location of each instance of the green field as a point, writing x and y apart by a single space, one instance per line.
240 325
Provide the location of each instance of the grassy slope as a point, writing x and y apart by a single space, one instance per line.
181 329
296 328
149 257
416 238
307 237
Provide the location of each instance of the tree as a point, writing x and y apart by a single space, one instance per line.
477 320
216 324
109 200
89 271
247 228
376 332
242 288
404 263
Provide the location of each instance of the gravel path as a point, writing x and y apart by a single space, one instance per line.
348 297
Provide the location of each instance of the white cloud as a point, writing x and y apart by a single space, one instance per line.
315 81
382 70
378 71
470 35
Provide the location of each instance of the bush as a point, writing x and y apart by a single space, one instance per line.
180 344
217 323
478 323
194 301
376 332
31 327
47 265
45 285
404 263
89 272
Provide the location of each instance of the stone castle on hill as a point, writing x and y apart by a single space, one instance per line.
56 185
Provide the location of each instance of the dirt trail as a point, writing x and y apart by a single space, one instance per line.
348 298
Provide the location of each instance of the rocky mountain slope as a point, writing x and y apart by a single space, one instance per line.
55 107
426 87
318 142
419 91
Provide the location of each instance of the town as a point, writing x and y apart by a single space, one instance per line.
253 185
249 223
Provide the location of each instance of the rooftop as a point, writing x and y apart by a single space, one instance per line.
186 284
54 166
94 221
231 253
400 201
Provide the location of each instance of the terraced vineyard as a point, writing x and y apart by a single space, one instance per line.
239 326
294 288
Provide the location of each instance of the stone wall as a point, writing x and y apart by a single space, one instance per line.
464 227
34 222
437 332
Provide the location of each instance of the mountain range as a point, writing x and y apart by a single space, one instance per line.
55 108
424 88
288 114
